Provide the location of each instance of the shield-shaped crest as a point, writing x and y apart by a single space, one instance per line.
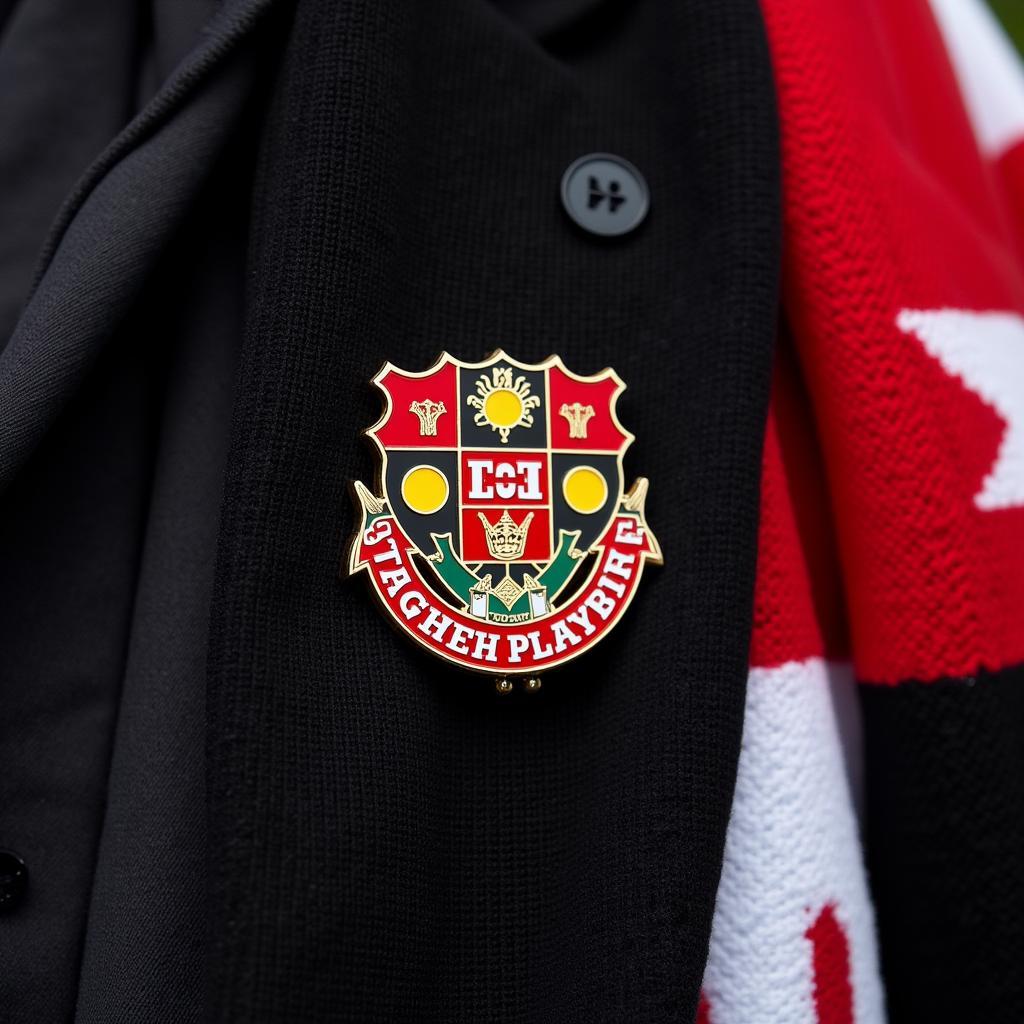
501 482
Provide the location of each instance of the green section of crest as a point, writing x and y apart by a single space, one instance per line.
533 601
465 584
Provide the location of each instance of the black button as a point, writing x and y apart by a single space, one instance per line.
605 194
13 880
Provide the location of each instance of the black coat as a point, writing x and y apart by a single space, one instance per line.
217 758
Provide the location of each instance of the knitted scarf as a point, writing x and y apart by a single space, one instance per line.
891 552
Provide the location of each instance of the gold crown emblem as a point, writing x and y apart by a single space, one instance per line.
505 540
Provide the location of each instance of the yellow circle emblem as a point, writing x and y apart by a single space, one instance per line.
503 408
585 489
424 489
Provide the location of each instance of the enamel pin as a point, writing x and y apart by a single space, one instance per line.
500 536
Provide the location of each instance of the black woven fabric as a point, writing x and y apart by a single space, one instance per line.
113 227
144 956
945 806
389 840
113 389
107 538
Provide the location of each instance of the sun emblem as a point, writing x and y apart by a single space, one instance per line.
501 404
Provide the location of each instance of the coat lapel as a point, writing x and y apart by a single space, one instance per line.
116 223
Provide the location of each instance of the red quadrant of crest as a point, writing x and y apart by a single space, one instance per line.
403 427
601 432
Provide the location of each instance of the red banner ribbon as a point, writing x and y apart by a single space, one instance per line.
526 647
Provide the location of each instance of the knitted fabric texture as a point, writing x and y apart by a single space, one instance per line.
390 841
891 539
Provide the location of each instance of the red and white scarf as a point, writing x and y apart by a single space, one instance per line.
892 535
